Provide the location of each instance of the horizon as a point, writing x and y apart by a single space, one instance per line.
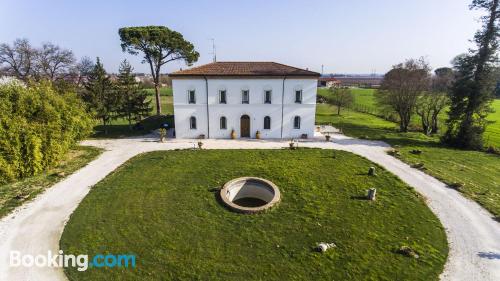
370 40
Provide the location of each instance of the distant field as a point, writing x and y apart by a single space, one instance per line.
363 97
365 101
166 91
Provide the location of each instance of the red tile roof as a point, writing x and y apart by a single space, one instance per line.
244 69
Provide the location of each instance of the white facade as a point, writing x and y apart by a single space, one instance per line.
282 109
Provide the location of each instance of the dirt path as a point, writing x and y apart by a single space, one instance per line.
36 227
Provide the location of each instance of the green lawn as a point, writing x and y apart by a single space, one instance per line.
16 193
364 101
163 207
478 172
492 135
363 97
164 91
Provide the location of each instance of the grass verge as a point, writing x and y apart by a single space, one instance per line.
15 194
475 174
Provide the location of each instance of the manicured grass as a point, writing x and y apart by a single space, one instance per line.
479 172
364 101
164 91
166 100
363 97
492 134
16 193
163 207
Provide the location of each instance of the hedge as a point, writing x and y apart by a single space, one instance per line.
37 127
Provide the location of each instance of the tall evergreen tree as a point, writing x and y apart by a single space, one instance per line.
133 99
100 95
473 89
159 45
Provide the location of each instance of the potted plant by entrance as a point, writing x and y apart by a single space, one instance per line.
257 135
233 134
163 134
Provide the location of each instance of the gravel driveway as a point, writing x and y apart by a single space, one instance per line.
36 227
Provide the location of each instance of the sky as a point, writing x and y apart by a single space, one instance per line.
345 36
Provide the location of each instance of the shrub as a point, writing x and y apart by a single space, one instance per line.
493 150
37 127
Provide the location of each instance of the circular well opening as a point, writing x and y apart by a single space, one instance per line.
249 194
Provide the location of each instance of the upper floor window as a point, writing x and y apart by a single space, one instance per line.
192 123
191 96
222 96
267 123
298 96
245 96
223 123
267 96
296 122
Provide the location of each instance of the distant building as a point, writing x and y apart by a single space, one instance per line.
360 81
330 82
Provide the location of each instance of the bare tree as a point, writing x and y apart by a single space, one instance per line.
402 87
429 105
83 69
53 62
441 85
18 60
340 97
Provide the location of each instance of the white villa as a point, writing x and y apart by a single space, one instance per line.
276 100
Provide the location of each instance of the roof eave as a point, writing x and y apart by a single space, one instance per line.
173 75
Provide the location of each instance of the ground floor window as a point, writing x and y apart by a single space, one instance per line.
296 122
267 123
192 123
223 123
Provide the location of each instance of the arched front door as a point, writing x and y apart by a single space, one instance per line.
245 126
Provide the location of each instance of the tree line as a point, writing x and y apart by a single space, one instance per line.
107 98
47 62
410 88
468 88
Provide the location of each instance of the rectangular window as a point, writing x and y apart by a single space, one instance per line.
245 97
222 97
267 96
191 96
296 122
298 96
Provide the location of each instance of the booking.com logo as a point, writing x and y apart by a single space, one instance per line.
80 261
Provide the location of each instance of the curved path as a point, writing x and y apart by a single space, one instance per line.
36 227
